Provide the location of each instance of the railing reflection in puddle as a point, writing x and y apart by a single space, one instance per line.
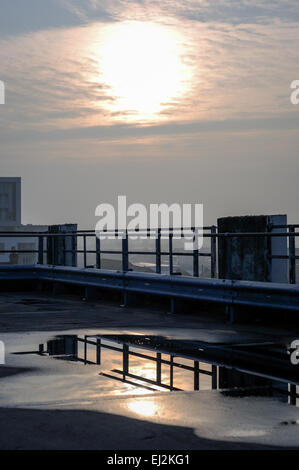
159 363
150 368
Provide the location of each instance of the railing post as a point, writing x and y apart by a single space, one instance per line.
213 252
292 257
84 250
125 253
125 360
269 246
40 250
48 240
98 351
85 349
75 346
158 375
293 393
98 253
170 235
171 372
196 375
214 377
158 252
195 259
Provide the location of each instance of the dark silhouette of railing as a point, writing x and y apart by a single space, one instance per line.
46 244
235 369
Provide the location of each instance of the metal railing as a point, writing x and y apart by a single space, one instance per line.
49 243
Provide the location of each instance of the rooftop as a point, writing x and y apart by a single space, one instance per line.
48 397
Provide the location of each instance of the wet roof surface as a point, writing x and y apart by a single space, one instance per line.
47 403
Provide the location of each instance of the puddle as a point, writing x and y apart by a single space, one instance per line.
150 363
220 391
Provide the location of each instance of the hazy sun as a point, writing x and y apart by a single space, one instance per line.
141 65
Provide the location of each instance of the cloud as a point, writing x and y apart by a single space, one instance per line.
22 17
240 81
19 17
235 126
118 132
53 78
236 11
224 11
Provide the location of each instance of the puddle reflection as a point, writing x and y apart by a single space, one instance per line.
143 408
156 363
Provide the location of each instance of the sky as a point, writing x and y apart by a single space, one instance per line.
175 101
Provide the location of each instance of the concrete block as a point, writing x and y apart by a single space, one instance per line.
250 258
58 248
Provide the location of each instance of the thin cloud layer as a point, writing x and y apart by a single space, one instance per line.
55 79
228 118
20 17
223 11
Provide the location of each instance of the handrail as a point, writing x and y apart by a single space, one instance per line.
66 243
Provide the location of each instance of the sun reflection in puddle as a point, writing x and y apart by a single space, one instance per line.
143 407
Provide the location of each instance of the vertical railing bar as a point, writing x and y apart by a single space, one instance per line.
195 258
293 392
213 252
170 235
158 251
171 372
196 375
158 371
40 250
84 250
48 250
125 255
292 259
98 351
98 253
85 349
214 377
269 250
125 360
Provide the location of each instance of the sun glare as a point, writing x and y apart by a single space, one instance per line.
140 63
143 407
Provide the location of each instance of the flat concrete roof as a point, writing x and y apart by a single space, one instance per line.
32 311
51 404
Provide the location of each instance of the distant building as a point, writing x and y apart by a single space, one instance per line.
10 201
10 221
